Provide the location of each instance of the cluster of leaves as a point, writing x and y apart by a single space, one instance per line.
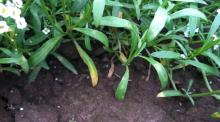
168 34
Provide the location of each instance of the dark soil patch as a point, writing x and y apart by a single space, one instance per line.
60 96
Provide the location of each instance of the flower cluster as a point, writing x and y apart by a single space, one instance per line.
46 31
216 47
218 11
11 9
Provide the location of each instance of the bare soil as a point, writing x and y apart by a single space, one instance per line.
60 96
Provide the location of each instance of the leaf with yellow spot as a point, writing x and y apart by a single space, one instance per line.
170 93
122 58
216 115
88 61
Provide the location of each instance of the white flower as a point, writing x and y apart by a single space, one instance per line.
183 56
186 33
4 27
46 31
9 3
21 23
215 37
216 47
197 30
4 11
17 3
218 11
15 13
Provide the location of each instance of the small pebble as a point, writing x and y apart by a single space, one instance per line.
178 110
11 91
21 109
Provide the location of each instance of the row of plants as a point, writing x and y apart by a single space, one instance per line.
168 34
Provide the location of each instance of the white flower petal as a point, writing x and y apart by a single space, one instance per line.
17 3
216 47
21 23
218 11
4 27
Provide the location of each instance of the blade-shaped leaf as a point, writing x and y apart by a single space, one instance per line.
192 1
170 93
118 4
98 9
207 45
12 70
188 12
193 22
43 51
122 86
202 66
88 61
166 54
215 26
137 8
19 60
216 115
156 25
94 34
161 71
115 22
212 56
65 63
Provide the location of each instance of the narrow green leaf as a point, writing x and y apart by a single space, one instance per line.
19 60
98 9
170 93
122 23
12 70
215 26
36 39
212 56
43 51
115 22
187 12
16 58
122 86
33 75
94 34
23 62
88 43
65 62
207 45
166 54
78 5
161 71
202 66
137 8
193 22
118 4
7 52
150 6
216 115
192 1
88 61
156 25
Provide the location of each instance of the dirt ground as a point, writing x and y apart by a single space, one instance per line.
60 96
